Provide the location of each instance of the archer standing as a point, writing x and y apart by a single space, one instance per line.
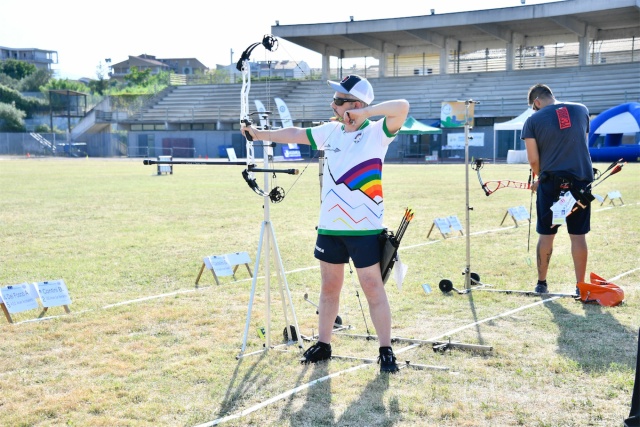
556 137
351 210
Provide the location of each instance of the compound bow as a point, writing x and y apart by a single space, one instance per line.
491 187
277 193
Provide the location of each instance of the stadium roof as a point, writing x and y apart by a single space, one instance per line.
526 25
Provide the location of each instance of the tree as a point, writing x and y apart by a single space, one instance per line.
27 104
99 86
137 77
8 81
33 82
62 84
17 69
11 119
218 76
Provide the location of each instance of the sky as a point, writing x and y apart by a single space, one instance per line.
84 37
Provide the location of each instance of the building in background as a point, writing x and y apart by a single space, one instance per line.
42 59
186 66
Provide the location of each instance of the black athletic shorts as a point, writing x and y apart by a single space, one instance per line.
363 250
579 222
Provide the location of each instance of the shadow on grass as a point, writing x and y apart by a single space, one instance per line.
596 340
472 306
240 388
368 409
316 411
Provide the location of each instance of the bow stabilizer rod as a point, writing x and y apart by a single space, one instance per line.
148 162
253 168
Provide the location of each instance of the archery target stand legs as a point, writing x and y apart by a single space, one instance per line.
268 247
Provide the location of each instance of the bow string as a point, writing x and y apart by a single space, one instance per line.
276 194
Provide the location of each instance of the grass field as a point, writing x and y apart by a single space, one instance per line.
143 346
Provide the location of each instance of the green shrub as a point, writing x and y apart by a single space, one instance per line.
33 82
11 119
29 105
9 81
45 128
17 69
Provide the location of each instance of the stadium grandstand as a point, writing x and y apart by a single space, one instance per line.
587 51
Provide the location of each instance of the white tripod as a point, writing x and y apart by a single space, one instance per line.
268 239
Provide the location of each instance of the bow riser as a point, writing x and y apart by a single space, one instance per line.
503 183
491 187
277 193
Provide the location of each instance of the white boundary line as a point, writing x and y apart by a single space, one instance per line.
184 291
625 273
279 397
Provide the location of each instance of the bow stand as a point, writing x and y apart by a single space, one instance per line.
267 240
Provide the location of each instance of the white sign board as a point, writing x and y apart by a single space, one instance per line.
53 293
165 168
455 223
443 225
18 298
238 258
614 194
455 141
519 213
231 154
219 265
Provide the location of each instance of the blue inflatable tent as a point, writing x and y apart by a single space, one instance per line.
612 124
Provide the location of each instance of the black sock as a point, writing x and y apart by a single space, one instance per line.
386 350
542 282
324 345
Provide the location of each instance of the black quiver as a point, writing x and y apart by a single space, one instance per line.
388 253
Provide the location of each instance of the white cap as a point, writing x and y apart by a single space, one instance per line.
356 86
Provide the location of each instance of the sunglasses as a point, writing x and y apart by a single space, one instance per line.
340 101
533 104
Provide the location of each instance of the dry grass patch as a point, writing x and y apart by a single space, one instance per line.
144 347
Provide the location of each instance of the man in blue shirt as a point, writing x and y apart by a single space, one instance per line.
556 138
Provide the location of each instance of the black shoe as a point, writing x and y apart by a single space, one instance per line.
316 353
387 360
541 289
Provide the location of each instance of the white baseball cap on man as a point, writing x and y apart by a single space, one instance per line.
354 85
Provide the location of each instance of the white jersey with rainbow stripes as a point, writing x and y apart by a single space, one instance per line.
352 199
